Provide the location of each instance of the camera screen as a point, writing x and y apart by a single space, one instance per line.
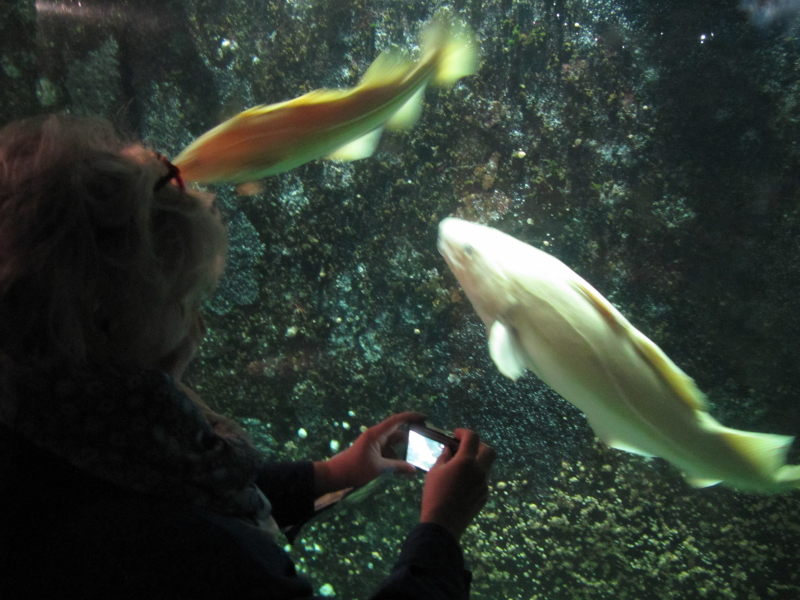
422 451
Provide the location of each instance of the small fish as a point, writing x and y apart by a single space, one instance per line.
544 317
338 124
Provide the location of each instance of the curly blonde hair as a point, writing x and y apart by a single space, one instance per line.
98 264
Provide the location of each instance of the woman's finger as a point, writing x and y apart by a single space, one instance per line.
468 442
385 428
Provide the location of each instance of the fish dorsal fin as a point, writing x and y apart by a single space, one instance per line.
683 385
359 148
253 111
607 311
319 96
505 352
390 66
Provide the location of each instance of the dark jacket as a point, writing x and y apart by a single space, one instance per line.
65 533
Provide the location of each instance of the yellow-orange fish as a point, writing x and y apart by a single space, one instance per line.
338 124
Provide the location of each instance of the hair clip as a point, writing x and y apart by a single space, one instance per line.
173 173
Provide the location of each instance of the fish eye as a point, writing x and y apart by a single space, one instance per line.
468 250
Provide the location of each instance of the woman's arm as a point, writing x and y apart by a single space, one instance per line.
289 487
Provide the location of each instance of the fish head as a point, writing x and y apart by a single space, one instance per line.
537 311
500 273
480 258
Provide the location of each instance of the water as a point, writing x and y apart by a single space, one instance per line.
650 146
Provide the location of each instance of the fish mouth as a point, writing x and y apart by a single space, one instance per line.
451 254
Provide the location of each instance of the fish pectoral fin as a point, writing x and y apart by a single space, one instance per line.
505 351
409 113
359 148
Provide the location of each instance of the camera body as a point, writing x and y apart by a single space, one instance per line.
426 443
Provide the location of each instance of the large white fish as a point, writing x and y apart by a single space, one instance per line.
543 316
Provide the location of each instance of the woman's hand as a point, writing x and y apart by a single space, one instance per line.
368 457
456 486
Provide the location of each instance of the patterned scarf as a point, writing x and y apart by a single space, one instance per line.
140 431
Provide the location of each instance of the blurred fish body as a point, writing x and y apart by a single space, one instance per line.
765 13
338 124
542 316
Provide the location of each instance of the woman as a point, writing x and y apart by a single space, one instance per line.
122 482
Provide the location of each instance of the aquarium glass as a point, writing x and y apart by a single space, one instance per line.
653 147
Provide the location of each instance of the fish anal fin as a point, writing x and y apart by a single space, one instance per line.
505 352
359 148
612 438
620 445
409 113
789 475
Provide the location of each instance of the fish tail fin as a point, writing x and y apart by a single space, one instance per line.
767 451
457 47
